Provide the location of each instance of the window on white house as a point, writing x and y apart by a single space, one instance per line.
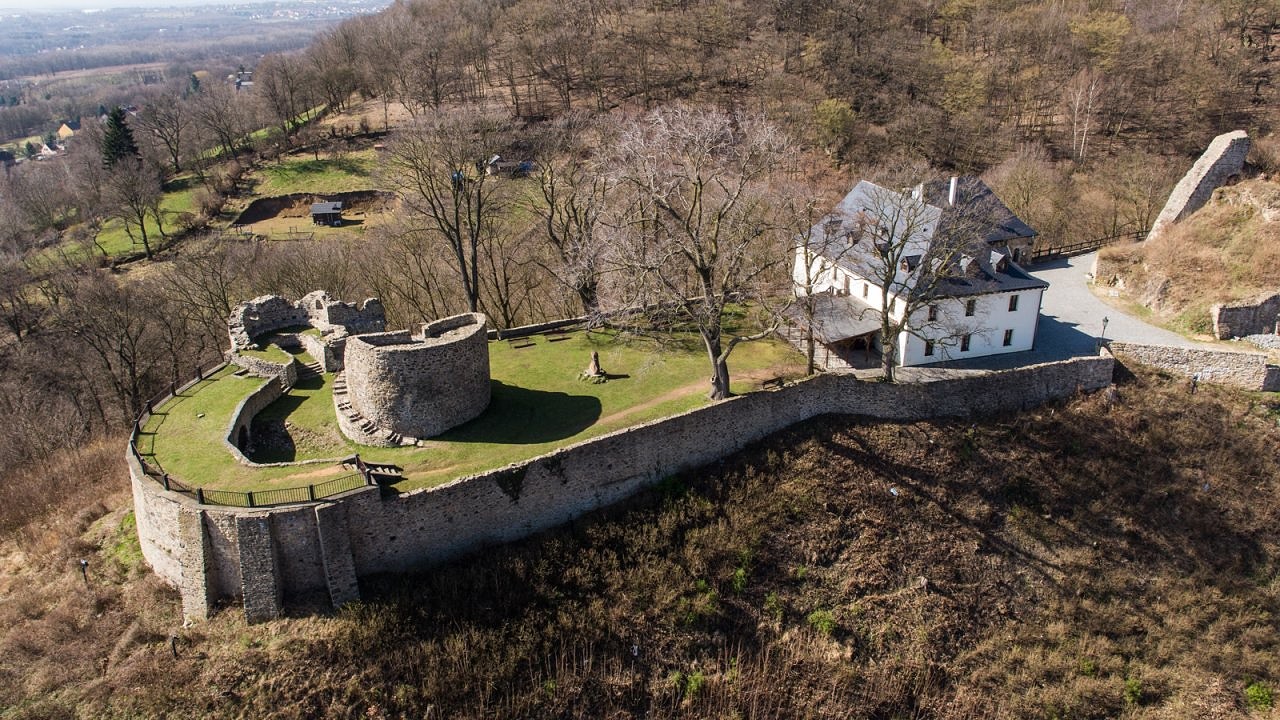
964 343
933 313
1013 303
865 289
928 347
970 307
1008 338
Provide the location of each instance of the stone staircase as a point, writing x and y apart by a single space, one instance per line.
365 430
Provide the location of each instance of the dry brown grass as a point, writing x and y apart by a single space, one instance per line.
1228 250
1078 561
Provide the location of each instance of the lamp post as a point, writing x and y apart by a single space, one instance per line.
1103 337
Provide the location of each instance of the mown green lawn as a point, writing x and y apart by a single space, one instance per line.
305 174
538 404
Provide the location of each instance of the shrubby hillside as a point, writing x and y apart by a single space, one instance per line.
1102 557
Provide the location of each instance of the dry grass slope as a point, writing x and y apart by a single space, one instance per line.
1084 560
1228 250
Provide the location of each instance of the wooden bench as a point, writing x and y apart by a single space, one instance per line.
557 335
775 382
523 342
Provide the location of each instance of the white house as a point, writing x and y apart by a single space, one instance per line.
952 247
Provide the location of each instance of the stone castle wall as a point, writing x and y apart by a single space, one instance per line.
267 313
1222 160
325 314
287 371
420 386
327 546
240 430
1248 371
262 315
1259 317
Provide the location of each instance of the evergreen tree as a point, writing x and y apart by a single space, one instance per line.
117 140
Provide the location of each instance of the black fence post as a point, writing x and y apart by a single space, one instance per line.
311 492
200 495
165 478
250 496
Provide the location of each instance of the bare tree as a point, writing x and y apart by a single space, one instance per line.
166 119
572 199
437 168
132 196
693 221
282 84
218 111
910 251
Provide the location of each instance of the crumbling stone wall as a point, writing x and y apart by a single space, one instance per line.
1258 317
1249 371
1220 162
418 386
262 315
319 550
262 367
326 314
316 309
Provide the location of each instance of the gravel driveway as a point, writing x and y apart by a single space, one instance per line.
1070 324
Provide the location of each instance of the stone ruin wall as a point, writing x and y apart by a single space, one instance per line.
329 315
241 424
267 313
262 315
262 367
1222 160
1259 317
419 386
294 550
1248 371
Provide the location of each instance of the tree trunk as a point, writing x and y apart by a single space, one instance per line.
719 367
886 359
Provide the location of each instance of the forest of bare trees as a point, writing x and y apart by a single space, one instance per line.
678 149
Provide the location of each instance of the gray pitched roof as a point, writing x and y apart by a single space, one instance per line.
837 317
1001 225
325 208
978 271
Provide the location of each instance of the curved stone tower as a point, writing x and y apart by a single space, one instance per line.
418 386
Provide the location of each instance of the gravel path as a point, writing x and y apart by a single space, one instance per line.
1070 302
1070 325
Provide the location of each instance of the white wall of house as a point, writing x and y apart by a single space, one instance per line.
827 276
986 328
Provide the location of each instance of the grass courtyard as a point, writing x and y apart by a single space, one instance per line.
538 404
304 173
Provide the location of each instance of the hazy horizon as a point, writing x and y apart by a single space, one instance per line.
48 6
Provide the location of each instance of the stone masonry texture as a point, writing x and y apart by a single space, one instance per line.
266 556
418 386
1260 316
1248 371
1222 160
